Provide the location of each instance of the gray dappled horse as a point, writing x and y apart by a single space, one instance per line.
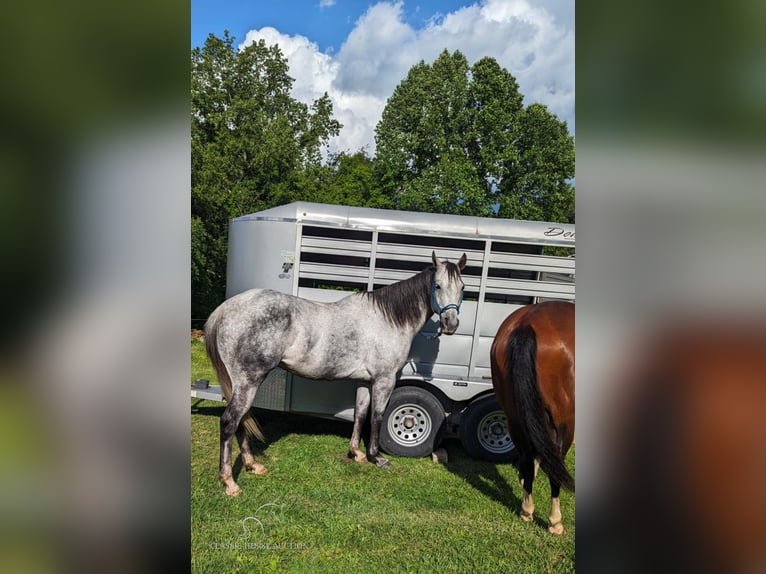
365 337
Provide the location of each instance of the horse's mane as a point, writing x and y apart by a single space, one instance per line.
402 303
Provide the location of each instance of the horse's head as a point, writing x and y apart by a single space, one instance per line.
447 293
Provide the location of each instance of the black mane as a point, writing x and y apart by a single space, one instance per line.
402 303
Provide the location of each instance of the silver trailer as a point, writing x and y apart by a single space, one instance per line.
324 252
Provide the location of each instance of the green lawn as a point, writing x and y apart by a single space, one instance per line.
316 511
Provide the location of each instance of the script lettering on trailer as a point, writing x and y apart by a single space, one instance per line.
553 231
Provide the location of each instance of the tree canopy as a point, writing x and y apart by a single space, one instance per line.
453 138
252 146
456 138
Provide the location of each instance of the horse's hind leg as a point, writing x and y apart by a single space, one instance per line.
239 404
527 472
361 409
248 460
554 518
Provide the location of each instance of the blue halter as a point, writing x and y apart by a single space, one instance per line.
436 308
435 304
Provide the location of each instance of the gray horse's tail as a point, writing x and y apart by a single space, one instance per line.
248 422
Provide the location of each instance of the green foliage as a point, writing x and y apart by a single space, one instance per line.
253 146
456 138
450 185
538 186
350 179
453 138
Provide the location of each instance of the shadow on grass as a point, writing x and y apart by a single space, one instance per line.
486 478
276 425
481 475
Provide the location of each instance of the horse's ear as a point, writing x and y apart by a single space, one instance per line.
434 259
461 262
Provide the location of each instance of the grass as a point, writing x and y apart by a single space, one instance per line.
317 511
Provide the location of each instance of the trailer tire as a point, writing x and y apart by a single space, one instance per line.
483 431
413 423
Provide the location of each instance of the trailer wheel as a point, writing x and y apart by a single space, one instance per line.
483 431
413 423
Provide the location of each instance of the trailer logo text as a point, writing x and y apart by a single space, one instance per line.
559 232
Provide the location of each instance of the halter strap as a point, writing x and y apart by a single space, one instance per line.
436 308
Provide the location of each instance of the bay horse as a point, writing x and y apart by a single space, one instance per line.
364 336
683 438
532 361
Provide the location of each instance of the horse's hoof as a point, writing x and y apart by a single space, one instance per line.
357 455
233 490
381 462
258 468
526 517
557 529
440 456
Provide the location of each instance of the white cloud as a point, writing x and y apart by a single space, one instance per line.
534 41
326 3
315 73
312 70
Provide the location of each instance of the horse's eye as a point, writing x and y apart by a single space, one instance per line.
438 286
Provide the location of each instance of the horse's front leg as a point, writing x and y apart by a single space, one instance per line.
361 408
381 390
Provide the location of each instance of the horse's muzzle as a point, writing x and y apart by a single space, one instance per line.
449 323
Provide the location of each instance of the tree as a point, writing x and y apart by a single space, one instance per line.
350 179
252 146
537 183
456 138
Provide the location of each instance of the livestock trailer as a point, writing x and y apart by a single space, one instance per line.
324 252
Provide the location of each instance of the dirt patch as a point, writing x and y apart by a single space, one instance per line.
197 334
343 457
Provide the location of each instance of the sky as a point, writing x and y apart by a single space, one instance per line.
359 51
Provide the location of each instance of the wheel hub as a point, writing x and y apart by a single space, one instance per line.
492 433
409 425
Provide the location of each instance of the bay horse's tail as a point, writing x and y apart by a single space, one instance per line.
211 346
535 421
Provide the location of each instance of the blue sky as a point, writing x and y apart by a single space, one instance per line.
328 26
358 52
